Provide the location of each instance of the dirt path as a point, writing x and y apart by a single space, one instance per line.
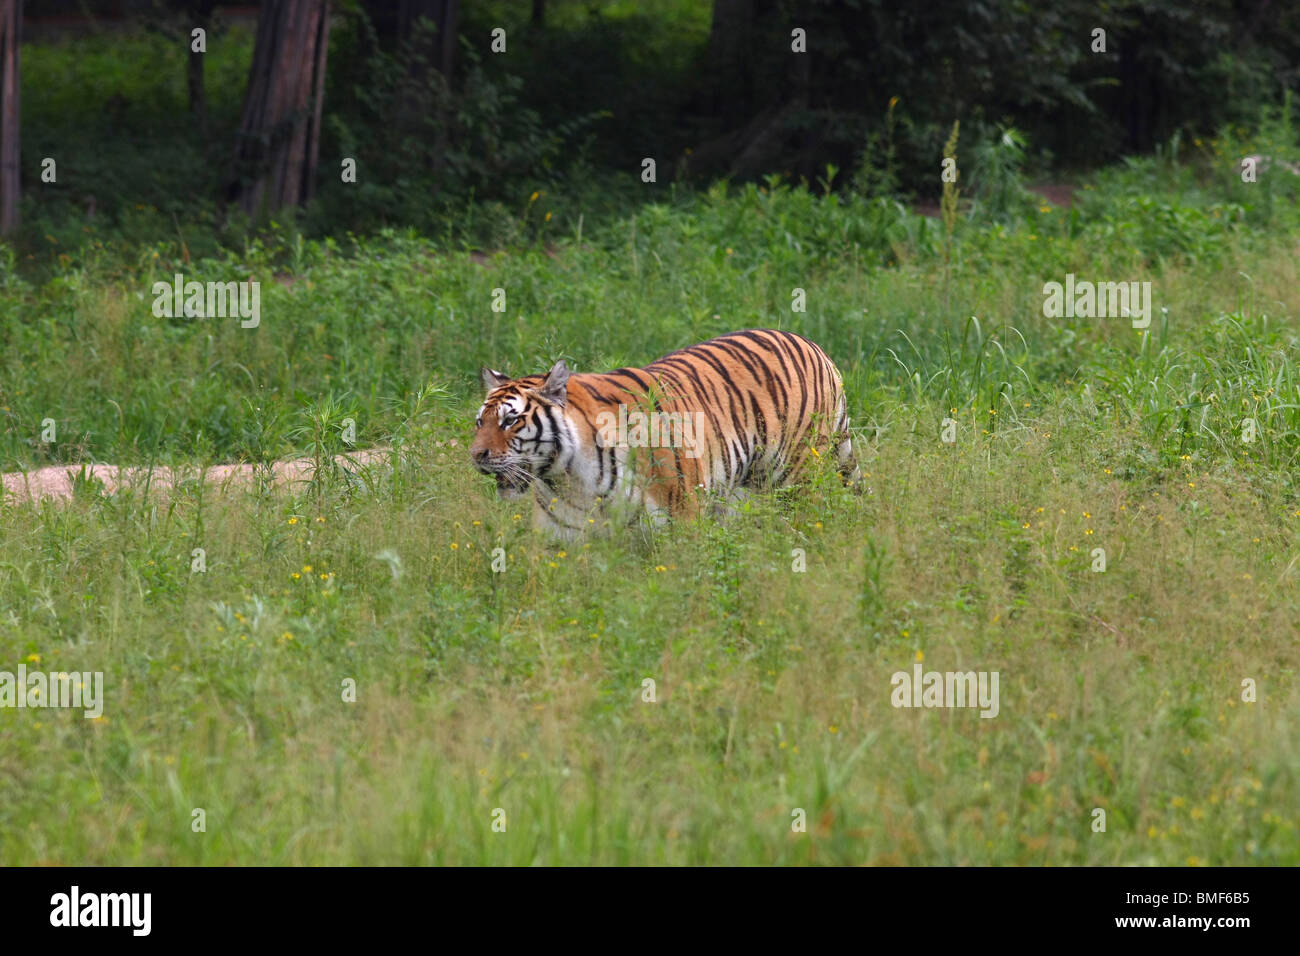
1058 194
56 481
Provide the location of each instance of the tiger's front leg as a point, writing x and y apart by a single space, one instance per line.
568 508
562 508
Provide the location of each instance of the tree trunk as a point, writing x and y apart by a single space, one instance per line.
394 24
279 133
11 26
445 14
200 16
730 60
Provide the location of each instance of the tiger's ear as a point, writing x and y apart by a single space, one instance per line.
555 388
491 379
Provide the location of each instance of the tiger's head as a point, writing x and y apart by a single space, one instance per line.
520 429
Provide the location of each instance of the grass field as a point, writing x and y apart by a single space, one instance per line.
523 691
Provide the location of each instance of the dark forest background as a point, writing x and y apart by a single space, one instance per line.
448 134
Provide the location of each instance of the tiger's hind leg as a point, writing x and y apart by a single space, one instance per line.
846 462
729 504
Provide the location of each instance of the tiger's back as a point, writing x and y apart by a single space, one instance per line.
744 410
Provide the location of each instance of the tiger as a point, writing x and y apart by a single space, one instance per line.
740 412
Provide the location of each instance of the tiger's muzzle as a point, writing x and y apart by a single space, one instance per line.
512 480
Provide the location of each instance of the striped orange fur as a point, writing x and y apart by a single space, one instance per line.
744 410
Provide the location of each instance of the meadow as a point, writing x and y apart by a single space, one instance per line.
523 691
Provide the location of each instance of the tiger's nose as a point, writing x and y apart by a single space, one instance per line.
481 456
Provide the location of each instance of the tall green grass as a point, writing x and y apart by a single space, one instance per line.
523 691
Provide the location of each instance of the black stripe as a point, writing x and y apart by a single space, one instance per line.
703 399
